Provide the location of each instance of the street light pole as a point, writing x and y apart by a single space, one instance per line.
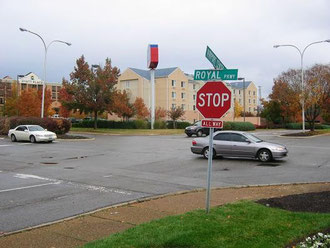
45 64
302 74
243 97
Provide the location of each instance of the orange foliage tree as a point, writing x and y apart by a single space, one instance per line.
141 109
160 113
121 105
29 103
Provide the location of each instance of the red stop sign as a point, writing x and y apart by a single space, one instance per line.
213 99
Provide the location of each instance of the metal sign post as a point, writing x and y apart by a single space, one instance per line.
209 170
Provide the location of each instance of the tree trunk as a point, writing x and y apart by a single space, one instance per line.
95 119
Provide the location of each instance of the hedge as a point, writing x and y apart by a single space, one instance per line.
307 126
179 124
56 125
136 124
239 126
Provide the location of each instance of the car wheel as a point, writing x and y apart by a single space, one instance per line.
206 153
13 138
264 155
189 135
32 139
199 133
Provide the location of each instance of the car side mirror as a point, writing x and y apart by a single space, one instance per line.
247 141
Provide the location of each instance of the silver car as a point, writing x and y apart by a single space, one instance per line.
32 133
239 144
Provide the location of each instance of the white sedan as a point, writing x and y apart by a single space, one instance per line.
32 133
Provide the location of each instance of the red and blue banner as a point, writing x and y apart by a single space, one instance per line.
152 56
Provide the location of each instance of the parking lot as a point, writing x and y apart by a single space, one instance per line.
40 183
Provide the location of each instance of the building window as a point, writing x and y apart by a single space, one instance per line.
173 105
182 84
254 101
173 95
23 86
254 93
249 109
194 97
173 83
2 100
183 95
239 92
194 107
53 88
234 91
33 86
249 100
194 86
54 96
127 84
249 92
183 106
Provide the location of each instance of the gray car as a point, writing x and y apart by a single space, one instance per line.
239 144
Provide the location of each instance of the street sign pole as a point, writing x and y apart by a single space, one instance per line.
209 170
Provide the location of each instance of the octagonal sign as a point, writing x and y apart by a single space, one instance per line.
213 99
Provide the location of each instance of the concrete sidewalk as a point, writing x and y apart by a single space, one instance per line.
99 224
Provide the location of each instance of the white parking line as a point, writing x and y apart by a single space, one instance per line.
88 187
27 187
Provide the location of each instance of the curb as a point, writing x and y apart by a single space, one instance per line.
145 199
88 139
306 137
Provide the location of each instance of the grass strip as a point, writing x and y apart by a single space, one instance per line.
128 131
240 225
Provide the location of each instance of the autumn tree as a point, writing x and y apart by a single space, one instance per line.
33 98
92 92
121 106
237 109
64 96
316 92
141 109
11 107
160 113
175 114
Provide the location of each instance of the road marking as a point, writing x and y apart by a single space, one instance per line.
28 187
5 145
88 187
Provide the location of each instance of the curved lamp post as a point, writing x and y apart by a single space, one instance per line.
45 61
302 74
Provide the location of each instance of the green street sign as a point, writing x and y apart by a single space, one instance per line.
215 61
207 75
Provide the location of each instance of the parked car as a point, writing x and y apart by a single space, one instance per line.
32 133
198 130
239 144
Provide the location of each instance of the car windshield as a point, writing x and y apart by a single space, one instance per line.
253 138
36 128
198 123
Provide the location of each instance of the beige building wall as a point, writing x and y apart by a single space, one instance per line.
251 98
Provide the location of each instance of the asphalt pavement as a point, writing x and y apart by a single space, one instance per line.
41 183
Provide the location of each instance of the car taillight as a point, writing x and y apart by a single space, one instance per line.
194 142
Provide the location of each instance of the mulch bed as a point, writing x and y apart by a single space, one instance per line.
310 202
69 136
318 202
302 134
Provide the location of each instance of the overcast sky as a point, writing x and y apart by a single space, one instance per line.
241 33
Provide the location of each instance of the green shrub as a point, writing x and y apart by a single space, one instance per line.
179 124
307 126
160 124
239 126
141 124
58 126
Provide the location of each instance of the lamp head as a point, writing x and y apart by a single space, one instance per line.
22 29
241 78
276 46
327 40
69 44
